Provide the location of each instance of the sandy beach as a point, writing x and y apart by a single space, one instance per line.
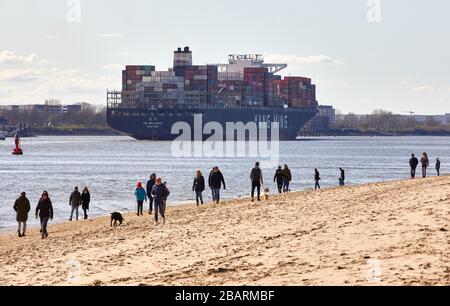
392 233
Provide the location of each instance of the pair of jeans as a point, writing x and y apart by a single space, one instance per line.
140 207
317 186
257 186
285 185
216 194
280 186
22 227
413 172
150 199
160 208
75 210
199 197
44 223
424 171
85 213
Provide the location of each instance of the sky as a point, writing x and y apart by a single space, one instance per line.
362 54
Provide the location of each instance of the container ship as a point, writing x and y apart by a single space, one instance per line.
246 90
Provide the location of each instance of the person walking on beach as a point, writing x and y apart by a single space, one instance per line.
425 163
317 179
413 163
85 200
198 187
216 180
257 180
438 166
22 208
342 178
141 196
278 178
74 202
287 178
160 192
45 211
150 185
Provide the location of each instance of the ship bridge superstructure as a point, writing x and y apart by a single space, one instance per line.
238 62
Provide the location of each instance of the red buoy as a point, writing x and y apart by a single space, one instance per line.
17 150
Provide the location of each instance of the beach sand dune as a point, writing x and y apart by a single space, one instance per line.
392 233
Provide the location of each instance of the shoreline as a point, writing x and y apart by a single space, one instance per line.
326 237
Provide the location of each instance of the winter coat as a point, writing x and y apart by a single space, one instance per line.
256 175
438 165
75 198
216 180
160 193
140 194
44 209
424 161
85 200
22 208
278 176
199 184
287 174
317 176
413 162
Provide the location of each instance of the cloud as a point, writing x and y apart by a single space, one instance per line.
18 76
10 57
51 37
117 53
294 60
114 67
425 88
107 35
408 79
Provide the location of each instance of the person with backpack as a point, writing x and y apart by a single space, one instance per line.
257 180
198 187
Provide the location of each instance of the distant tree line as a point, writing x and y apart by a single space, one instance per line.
86 117
386 121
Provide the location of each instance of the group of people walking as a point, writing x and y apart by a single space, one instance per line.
156 193
425 163
44 210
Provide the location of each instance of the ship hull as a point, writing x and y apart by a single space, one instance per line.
170 124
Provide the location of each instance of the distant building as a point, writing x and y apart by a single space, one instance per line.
324 120
48 108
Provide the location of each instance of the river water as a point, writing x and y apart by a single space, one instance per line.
111 167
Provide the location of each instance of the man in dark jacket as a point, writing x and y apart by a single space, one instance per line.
257 180
278 178
150 185
216 181
22 208
45 211
160 192
74 202
413 163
